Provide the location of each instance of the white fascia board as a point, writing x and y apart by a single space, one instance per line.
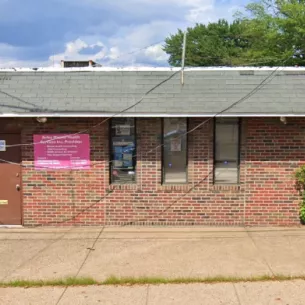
145 115
149 69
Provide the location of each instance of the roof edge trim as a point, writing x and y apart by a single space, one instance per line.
145 115
149 69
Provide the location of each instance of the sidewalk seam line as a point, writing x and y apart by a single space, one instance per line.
147 295
89 252
236 293
257 248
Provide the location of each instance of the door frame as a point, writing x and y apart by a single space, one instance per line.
21 173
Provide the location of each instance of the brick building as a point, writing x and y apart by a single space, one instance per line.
68 158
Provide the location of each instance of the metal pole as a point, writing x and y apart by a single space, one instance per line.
183 58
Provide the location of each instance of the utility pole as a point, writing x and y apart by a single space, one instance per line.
183 58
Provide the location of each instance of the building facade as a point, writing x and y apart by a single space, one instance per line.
150 166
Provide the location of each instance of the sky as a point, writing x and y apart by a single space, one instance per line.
122 33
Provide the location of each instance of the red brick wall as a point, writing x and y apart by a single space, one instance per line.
274 151
65 197
270 152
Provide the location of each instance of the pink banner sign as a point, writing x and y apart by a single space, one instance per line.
62 151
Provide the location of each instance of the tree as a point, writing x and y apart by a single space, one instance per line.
215 44
276 29
270 33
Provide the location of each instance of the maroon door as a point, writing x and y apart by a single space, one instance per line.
10 180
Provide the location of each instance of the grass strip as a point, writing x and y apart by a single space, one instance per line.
207 280
69 281
132 281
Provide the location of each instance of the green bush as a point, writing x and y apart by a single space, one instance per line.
300 185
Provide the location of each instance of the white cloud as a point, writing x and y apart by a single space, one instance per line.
134 37
73 49
134 24
113 56
156 52
125 48
142 44
114 53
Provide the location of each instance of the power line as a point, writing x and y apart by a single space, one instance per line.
176 201
126 109
203 123
254 61
16 107
135 104
83 263
39 109
35 109
107 119
257 88
196 127
138 50
138 102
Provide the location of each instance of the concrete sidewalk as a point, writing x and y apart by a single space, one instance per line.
269 293
52 253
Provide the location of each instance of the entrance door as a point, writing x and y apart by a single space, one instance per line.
10 180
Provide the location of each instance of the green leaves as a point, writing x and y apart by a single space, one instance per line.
217 44
300 185
276 29
270 33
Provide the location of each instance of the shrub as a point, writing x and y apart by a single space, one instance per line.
300 185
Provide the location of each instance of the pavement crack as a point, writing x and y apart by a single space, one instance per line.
259 251
92 248
83 263
62 295
147 295
236 294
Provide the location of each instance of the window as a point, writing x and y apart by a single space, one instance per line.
174 150
226 155
123 150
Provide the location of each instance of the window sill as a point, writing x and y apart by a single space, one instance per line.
126 186
226 187
175 187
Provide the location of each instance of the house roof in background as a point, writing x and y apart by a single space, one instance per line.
102 91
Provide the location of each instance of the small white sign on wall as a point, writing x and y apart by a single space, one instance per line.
2 145
122 130
176 144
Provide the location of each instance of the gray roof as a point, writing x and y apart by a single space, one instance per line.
102 92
